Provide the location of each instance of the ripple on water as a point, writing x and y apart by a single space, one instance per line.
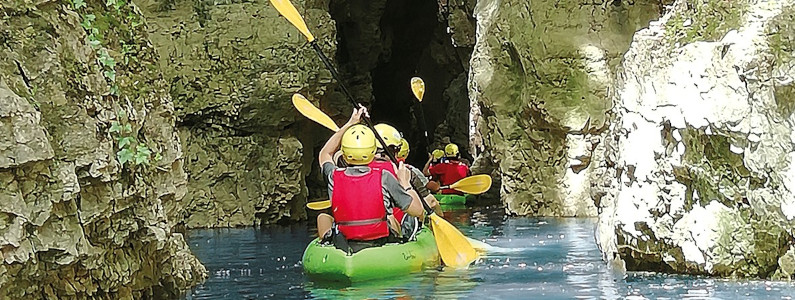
530 258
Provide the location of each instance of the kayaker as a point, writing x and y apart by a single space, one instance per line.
435 158
419 181
393 140
361 196
451 170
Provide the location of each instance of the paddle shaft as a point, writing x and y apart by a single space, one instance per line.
347 93
421 119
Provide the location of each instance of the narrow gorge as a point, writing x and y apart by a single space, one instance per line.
124 125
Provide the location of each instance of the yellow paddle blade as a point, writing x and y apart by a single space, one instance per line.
454 248
313 113
318 205
288 11
418 87
479 246
474 185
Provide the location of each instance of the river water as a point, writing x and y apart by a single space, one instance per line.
549 258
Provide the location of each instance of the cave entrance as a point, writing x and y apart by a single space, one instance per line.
381 45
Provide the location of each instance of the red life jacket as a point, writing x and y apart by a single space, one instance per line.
383 165
388 166
448 173
357 204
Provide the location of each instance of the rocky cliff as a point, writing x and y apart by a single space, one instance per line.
89 158
697 173
232 67
539 80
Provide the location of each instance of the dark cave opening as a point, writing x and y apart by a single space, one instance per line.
381 46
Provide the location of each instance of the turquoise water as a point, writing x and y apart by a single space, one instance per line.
535 257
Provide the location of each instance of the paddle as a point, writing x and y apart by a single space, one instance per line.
454 248
319 205
313 113
286 8
418 88
474 185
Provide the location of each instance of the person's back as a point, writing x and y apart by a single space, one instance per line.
357 203
361 196
451 170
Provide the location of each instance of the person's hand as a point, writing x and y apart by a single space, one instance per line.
356 116
403 175
432 202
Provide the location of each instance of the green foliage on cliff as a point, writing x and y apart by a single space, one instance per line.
120 15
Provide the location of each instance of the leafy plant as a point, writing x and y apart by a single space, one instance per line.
87 19
130 149
77 4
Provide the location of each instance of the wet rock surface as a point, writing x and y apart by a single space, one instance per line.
539 80
232 67
697 170
89 157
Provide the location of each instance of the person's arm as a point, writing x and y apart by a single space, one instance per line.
400 192
427 165
333 143
404 179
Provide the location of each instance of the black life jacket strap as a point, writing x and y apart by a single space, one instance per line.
361 222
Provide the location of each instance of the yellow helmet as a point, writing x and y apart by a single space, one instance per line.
390 135
437 154
404 149
358 145
451 150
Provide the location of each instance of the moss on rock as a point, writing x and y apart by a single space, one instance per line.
705 20
232 67
75 222
540 78
781 39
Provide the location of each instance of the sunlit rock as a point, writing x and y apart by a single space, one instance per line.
698 176
539 81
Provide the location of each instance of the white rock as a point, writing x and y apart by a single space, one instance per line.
735 149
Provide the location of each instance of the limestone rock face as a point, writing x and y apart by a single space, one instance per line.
232 68
696 174
539 80
83 107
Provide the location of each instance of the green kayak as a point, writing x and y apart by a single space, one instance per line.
451 198
328 263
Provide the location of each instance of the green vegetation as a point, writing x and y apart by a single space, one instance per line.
130 149
117 19
710 20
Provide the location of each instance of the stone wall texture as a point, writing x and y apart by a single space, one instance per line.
232 67
539 80
697 171
80 94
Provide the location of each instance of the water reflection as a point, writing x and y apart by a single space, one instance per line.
531 258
